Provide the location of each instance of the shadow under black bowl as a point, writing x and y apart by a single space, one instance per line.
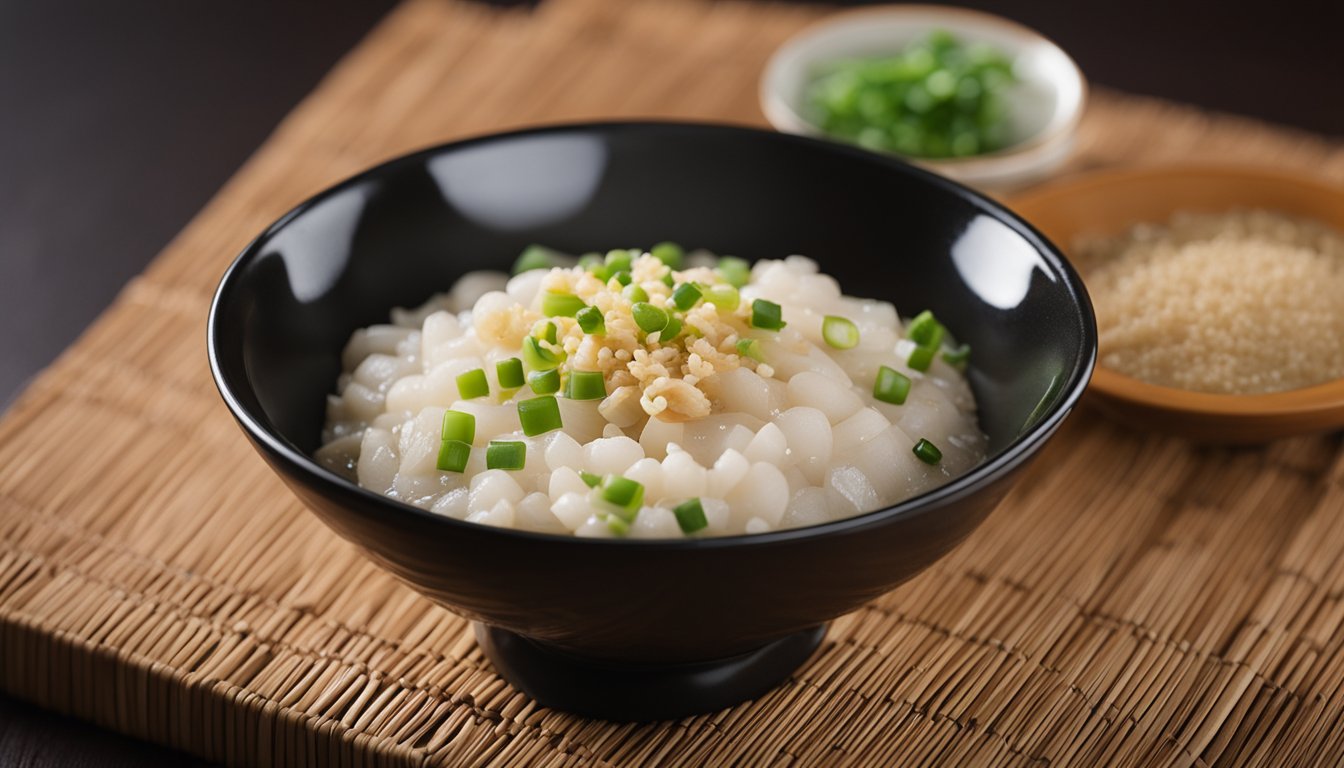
708 622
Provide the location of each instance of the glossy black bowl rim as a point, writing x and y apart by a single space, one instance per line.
1016 452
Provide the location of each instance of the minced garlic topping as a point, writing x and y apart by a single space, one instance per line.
661 377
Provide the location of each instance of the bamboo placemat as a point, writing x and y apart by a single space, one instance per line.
1136 601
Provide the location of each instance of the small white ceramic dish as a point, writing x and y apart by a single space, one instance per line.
1044 106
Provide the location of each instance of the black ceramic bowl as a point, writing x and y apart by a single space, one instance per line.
648 629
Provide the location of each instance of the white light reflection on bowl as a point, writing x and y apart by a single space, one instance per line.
996 262
522 183
316 245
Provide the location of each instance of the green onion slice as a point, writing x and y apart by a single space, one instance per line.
558 304
921 358
590 320
840 332
751 348
544 382
891 386
635 294
620 496
927 452
623 277
669 253
544 330
505 454
737 272
685 296
690 516
648 317
724 297
539 358
473 384
671 330
459 426
619 260
957 358
453 456
539 415
617 525
587 385
590 479
536 257
767 315
922 328
510 373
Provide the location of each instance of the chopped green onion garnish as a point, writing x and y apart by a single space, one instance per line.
927 452
648 317
734 270
621 496
544 382
472 384
685 296
957 358
617 525
537 357
510 373
590 479
922 328
670 330
766 315
840 332
505 454
669 253
891 386
619 260
539 415
725 297
591 260
690 516
453 455
750 348
634 294
668 280
557 304
544 330
587 385
536 257
459 426
921 358
590 320
623 277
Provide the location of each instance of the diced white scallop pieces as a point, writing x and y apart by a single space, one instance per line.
726 473
808 433
581 419
414 318
492 421
453 503
796 479
756 525
381 339
831 396
655 523
564 452
533 513
768 445
522 288
622 407
741 390
420 441
806 507
501 515
849 492
565 480
648 473
708 438
378 371
473 286
572 509
378 460
853 432
359 402
611 455
491 487
763 492
891 465
440 329
340 455
717 516
658 434
683 477
611 430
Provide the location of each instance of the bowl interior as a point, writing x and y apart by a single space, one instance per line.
1109 203
1043 105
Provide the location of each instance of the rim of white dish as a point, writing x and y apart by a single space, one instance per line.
780 112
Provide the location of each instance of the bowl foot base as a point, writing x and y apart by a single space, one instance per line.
630 692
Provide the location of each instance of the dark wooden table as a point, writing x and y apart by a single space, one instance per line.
119 120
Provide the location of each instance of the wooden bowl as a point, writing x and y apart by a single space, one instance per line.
1108 203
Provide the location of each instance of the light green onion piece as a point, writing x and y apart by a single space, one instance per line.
670 330
453 456
668 280
751 348
617 525
544 330
536 257
921 358
459 426
957 358
506 454
544 382
922 328
586 385
473 384
539 358
648 317
591 260
669 253
891 386
767 315
557 304
510 373
690 516
927 452
685 296
734 270
621 496
619 260
840 332
590 479
623 277
590 320
539 415
724 297
634 294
